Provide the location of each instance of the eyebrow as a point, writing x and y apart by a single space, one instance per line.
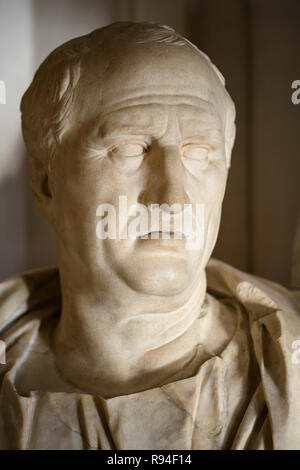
201 128
125 122
112 128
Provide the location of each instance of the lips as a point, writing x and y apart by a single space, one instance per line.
163 235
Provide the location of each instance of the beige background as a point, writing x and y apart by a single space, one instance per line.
256 45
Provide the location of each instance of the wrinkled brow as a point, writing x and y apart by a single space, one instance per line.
136 120
152 121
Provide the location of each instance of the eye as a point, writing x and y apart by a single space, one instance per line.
128 156
195 151
196 156
129 150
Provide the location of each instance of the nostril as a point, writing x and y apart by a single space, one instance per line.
143 197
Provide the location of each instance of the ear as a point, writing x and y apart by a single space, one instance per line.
229 142
230 130
41 187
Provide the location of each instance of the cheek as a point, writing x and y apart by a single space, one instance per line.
216 184
75 201
209 187
81 188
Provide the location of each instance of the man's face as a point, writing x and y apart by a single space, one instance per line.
147 129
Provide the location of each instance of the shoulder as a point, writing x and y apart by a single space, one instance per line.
268 305
274 323
272 310
257 294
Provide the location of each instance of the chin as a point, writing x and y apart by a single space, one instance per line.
158 276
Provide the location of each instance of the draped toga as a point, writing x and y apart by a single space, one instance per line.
245 397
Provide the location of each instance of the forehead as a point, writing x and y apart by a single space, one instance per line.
121 76
152 121
153 117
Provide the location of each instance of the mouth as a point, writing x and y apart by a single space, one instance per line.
162 235
160 243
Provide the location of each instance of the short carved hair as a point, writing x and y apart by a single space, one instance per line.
47 103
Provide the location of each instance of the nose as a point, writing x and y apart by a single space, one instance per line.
165 179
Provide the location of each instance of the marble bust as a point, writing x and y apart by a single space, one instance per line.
138 342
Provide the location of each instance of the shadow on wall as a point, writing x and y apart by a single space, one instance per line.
256 46
27 241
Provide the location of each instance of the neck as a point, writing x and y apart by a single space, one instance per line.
115 341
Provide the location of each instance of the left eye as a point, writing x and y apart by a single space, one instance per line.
129 150
195 152
195 157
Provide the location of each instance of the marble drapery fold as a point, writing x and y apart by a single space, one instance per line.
246 397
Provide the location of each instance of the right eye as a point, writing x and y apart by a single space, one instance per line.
129 150
128 155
